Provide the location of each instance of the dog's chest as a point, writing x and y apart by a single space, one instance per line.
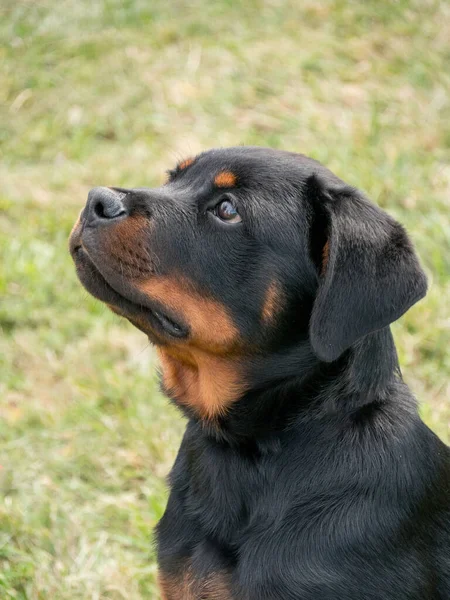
225 493
187 585
213 513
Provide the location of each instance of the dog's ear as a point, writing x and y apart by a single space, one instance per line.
369 274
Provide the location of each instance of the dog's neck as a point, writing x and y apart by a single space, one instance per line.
293 386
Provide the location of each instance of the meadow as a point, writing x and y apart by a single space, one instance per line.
114 92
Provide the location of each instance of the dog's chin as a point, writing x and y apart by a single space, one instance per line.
152 320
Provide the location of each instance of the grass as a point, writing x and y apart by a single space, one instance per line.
114 92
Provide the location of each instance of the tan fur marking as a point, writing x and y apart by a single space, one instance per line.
272 302
162 586
205 382
205 372
126 244
115 310
176 588
225 179
126 232
184 164
217 587
185 586
325 256
212 329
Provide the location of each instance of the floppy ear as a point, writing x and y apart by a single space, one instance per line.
370 274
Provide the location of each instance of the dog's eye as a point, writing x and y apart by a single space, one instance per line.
227 211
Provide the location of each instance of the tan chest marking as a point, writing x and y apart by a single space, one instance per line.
216 586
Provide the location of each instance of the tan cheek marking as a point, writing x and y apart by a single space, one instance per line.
204 373
272 302
128 231
212 329
225 179
325 256
126 244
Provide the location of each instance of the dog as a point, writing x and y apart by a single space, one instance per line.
268 286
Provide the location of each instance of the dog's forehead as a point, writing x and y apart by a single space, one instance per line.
260 176
245 164
271 187
251 161
275 173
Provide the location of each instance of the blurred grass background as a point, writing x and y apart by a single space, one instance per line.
113 92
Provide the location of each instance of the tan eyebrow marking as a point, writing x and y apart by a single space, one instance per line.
187 162
225 179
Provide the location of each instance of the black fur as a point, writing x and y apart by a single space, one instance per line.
321 482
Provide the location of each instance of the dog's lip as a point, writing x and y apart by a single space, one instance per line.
159 319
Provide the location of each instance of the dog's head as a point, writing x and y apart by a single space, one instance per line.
243 252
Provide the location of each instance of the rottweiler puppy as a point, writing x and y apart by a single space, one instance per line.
268 286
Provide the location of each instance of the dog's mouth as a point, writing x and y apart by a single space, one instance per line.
153 319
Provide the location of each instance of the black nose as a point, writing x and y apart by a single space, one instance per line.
104 204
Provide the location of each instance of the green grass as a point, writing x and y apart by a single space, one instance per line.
114 92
